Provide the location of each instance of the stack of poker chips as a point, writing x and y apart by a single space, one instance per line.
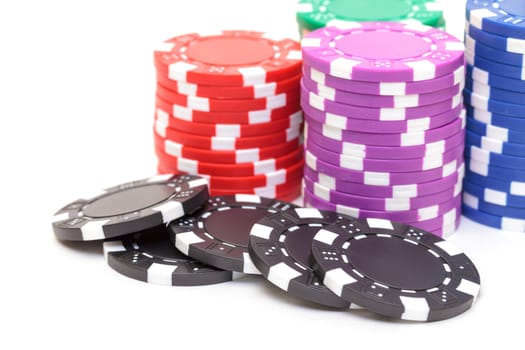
494 187
227 109
384 123
315 14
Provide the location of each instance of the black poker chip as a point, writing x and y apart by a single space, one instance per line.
280 247
149 256
395 270
130 207
218 233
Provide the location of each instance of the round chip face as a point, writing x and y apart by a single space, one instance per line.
279 246
501 17
230 58
314 14
149 256
130 207
218 233
395 270
383 52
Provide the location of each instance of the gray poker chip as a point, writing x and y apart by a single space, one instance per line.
395 270
149 256
218 233
130 207
280 247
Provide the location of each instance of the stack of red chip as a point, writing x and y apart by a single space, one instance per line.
227 108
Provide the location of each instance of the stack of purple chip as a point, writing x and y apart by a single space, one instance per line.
384 132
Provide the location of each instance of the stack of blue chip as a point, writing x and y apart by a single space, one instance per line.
494 187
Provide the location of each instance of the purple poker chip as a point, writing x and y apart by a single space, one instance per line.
394 191
383 51
386 88
382 178
378 101
431 149
411 216
382 204
347 161
333 137
359 112
384 126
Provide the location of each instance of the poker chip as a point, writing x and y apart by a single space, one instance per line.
150 257
497 120
385 126
379 101
280 247
227 92
227 108
229 130
495 146
229 58
218 233
383 51
130 207
501 17
315 14
437 282
495 136
386 88
323 182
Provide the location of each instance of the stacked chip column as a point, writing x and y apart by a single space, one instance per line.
384 123
494 187
227 108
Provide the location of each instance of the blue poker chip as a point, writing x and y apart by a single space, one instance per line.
491 105
512 187
495 221
494 93
500 160
477 203
494 79
495 132
506 70
493 196
502 17
491 53
494 145
486 169
499 42
495 119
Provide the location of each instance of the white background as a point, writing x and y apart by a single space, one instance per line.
76 106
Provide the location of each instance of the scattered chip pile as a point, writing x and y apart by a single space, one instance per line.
315 14
167 230
494 188
227 108
384 123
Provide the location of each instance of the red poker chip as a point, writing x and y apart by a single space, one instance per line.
229 157
226 143
207 104
229 130
279 177
229 92
231 58
228 170
246 117
289 191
